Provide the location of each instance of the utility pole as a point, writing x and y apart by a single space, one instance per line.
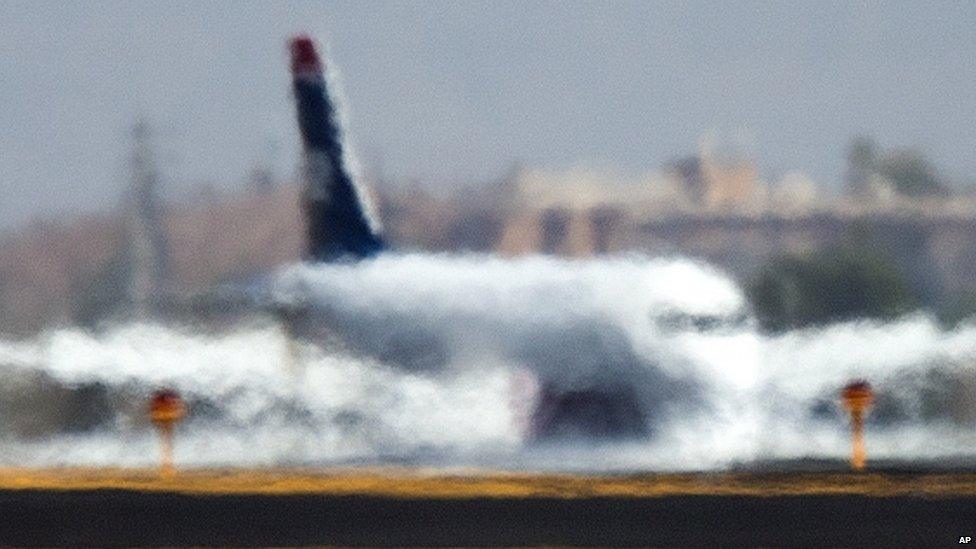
145 224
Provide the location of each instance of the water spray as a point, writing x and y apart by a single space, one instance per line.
426 371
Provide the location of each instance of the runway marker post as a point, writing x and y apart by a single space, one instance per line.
857 398
166 409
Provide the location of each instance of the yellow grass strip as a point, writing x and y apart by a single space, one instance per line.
420 483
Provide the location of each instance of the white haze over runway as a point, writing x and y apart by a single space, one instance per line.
439 360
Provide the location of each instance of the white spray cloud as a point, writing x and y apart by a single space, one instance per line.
442 355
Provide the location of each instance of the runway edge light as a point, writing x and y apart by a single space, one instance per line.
166 410
857 398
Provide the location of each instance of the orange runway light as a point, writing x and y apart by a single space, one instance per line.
166 409
857 398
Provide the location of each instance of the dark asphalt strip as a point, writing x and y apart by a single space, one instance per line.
113 517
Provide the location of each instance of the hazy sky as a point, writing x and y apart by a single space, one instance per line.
461 89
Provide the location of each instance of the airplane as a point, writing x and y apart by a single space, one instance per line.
339 232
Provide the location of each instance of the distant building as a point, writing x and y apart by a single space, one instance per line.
717 210
714 184
578 212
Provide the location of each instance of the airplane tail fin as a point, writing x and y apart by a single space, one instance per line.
337 225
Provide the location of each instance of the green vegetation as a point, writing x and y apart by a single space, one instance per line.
908 171
911 173
956 309
833 285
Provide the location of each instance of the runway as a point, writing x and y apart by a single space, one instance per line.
424 507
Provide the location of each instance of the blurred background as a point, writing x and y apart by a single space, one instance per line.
815 160
804 149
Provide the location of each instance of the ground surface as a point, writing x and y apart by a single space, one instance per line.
417 507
